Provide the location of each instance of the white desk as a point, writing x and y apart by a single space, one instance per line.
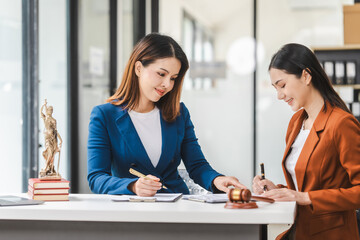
91 216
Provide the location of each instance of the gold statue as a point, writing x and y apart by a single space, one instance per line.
51 144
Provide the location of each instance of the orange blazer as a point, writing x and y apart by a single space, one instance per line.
328 168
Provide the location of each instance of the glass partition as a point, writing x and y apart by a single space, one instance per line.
10 96
94 80
94 59
218 88
53 74
279 22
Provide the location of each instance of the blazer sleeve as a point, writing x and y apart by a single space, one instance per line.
197 166
99 159
347 142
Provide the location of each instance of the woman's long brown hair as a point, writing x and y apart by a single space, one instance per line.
149 49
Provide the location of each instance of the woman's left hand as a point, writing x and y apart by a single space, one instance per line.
285 194
222 183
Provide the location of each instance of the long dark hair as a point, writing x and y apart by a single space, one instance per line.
150 48
293 58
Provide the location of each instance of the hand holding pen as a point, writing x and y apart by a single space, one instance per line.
145 186
263 175
261 184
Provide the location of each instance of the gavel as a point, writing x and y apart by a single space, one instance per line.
240 198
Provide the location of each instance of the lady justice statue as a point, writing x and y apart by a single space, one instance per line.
51 144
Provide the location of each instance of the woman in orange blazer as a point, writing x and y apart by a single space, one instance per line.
321 162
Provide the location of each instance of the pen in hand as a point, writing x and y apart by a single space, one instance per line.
263 175
139 174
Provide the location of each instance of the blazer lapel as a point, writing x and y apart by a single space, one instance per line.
310 145
132 139
296 129
169 143
304 157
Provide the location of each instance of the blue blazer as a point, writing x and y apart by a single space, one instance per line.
114 147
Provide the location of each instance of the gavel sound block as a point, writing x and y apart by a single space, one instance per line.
240 198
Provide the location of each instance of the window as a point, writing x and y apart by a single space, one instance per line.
10 96
52 74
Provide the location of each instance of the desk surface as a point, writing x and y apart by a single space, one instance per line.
100 208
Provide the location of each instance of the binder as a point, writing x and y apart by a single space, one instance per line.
339 72
329 70
350 72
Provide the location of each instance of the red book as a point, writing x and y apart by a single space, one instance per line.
36 183
48 190
49 197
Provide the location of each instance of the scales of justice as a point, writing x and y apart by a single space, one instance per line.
53 143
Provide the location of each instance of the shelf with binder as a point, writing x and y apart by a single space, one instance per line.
342 65
354 86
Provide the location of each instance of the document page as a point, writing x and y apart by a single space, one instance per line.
213 198
208 198
159 197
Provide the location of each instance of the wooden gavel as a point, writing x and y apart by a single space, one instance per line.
240 198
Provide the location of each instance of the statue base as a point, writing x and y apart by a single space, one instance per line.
240 205
43 176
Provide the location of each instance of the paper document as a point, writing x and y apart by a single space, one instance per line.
208 198
160 197
211 198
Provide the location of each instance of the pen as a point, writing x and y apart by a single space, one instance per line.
263 174
139 174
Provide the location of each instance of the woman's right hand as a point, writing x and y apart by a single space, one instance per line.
258 185
146 186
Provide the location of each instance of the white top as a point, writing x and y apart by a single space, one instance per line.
100 208
148 127
295 153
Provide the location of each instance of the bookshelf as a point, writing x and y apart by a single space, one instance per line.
342 65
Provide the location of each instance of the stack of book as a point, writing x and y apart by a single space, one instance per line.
48 190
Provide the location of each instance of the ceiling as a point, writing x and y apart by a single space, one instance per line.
217 12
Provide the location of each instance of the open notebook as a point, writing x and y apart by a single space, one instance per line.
160 197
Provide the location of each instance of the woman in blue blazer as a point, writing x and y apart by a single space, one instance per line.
145 127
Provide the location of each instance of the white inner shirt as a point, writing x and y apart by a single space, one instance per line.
148 127
295 153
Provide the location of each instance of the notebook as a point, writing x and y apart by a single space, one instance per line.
159 197
10 200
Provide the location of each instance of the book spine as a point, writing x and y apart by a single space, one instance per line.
49 197
51 194
51 191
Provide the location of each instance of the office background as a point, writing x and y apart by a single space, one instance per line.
72 52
